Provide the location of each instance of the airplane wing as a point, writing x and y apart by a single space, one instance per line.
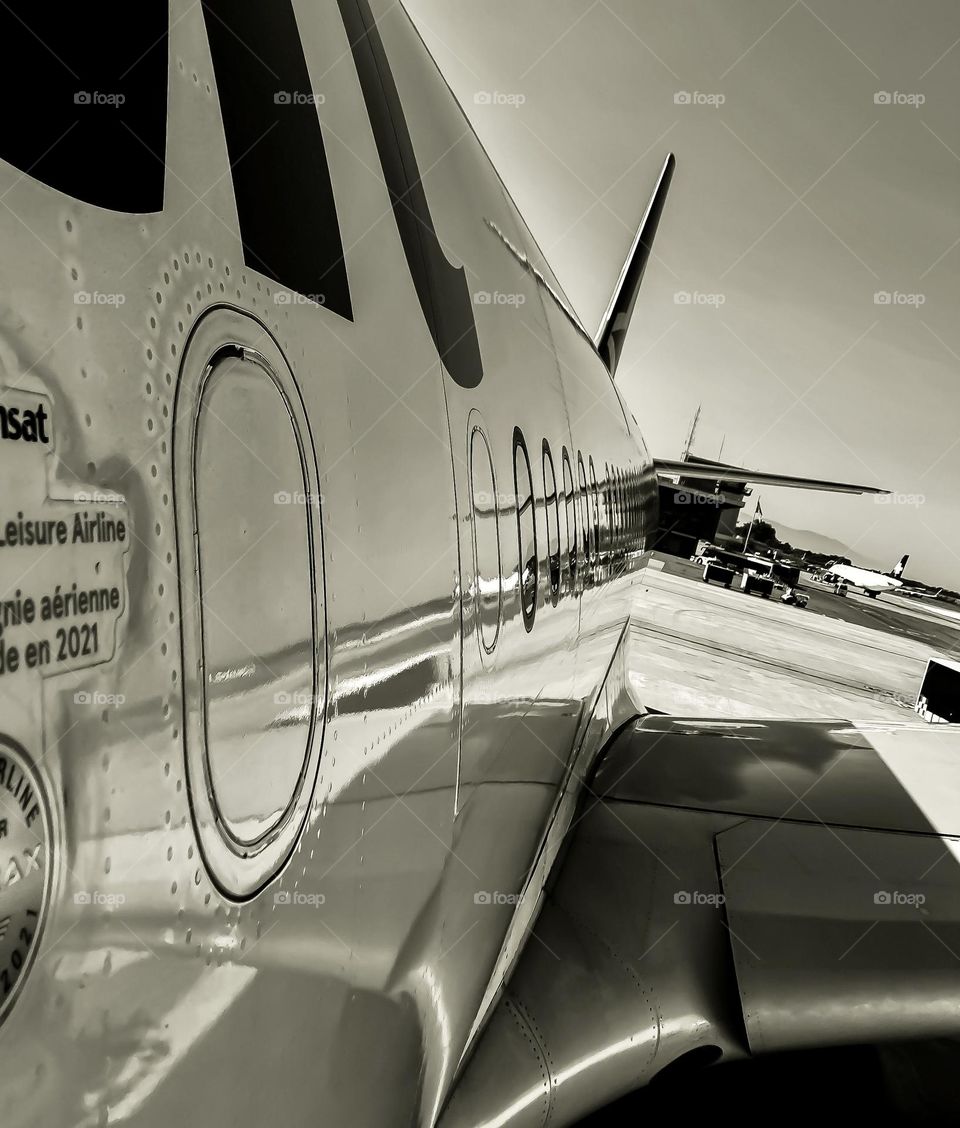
732 887
723 472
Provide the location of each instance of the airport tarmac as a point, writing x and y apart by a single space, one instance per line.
929 622
703 650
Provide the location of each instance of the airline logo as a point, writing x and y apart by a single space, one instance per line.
24 424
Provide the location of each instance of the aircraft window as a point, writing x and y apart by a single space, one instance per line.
610 506
631 511
86 110
255 571
595 490
552 506
631 506
628 506
281 181
617 511
621 520
526 530
606 493
625 494
488 585
615 517
570 512
618 486
584 509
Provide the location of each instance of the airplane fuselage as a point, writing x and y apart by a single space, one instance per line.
863 578
383 508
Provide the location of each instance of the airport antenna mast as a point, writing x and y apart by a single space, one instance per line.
691 434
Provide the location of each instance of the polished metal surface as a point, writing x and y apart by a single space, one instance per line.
618 981
762 769
676 929
26 869
854 932
296 812
247 501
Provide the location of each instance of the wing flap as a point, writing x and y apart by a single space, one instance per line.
840 936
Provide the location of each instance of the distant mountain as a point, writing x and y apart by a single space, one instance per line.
817 542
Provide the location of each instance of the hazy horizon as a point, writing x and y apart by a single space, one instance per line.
818 166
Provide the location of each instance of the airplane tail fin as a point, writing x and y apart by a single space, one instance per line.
900 567
616 320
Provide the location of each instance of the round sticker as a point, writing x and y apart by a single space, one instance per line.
24 869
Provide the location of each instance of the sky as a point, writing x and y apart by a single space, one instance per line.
806 281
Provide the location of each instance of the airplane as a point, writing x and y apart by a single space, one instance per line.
872 583
325 795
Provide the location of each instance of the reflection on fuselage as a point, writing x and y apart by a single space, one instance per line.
371 606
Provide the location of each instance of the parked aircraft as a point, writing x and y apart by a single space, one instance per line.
870 582
324 790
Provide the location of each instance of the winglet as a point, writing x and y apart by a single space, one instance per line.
613 327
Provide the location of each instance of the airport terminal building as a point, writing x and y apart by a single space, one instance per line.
694 509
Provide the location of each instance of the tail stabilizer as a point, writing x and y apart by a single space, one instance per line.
616 320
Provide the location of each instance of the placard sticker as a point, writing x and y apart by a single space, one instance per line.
62 560
25 868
